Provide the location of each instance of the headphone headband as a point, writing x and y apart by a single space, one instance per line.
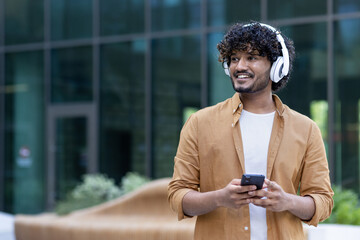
285 52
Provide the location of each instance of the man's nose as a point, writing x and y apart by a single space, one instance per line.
242 64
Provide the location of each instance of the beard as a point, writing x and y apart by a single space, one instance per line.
257 86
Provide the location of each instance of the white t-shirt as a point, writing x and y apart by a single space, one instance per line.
255 133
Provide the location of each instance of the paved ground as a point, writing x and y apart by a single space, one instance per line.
6 226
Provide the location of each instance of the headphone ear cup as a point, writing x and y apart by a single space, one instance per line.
226 68
276 70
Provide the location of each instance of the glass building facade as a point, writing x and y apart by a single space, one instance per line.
105 86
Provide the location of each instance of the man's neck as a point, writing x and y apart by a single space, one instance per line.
259 103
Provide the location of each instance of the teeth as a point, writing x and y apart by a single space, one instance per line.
242 76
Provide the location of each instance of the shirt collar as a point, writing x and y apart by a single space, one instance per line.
237 107
280 108
236 103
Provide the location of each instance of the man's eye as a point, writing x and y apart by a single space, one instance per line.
252 58
234 59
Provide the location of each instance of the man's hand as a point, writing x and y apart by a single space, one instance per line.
234 195
277 200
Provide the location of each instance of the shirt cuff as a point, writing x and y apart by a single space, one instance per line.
178 201
314 221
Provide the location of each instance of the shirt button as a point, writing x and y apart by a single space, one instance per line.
232 125
234 110
246 228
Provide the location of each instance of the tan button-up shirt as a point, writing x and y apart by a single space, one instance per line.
210 155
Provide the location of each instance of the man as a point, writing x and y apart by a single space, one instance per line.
252 132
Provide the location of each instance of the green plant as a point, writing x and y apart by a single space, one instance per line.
132 181
95 189
346 207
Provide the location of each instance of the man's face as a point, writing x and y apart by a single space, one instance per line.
249 72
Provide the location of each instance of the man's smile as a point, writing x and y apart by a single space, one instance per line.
243 75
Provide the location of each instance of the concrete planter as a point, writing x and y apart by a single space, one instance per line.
333 231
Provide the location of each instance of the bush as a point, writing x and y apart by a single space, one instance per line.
132 181
96 189
346 207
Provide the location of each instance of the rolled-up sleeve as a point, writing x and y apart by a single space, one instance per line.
315 181
186 167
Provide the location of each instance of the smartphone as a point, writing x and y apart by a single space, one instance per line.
253 179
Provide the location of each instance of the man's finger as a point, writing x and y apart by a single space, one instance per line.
259 193
243 189
260 202
271 184
236 181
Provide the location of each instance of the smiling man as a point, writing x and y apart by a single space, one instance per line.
243 79
254 133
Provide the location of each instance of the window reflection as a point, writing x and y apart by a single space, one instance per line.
346 6
71 19
309 77
24 133
306 91
223 12
71 75
220 86
347 74
24 21
175 14
176 87
347 48
119 17
122 109
278 9
319 113
70 155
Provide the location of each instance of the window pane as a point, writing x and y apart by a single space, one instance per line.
278 9
122 109
70 156
347 85
346 6
175 14
24 133
309 77
119 17
24 21
223 12
220 87
71 19
176 86
71 75
306 91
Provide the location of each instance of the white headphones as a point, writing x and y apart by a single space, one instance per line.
280 68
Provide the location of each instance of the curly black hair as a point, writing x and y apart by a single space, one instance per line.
251 37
